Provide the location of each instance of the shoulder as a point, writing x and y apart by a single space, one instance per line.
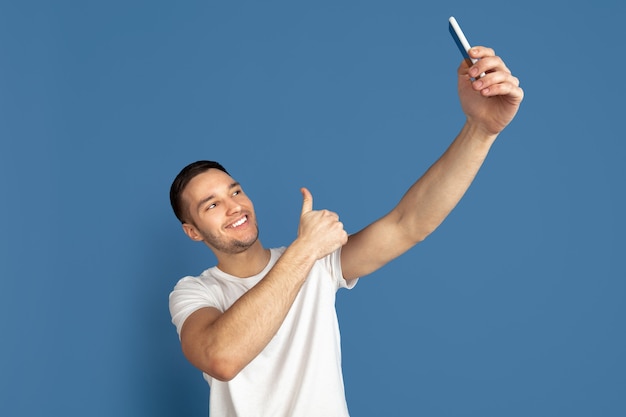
202 282
191 294
331 265
196 290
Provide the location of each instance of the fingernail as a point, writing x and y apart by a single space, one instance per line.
478 84
474 72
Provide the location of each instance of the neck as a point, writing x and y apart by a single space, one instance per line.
245 264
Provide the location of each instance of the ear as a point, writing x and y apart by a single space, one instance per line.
191 231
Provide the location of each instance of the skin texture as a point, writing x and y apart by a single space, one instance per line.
222 216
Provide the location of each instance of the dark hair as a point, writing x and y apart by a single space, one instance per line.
181 181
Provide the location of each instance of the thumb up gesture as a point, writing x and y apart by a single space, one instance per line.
320 230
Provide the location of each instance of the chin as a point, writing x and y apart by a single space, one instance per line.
235 246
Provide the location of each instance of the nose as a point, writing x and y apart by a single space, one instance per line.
233 207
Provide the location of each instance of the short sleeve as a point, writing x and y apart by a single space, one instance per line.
190 294
334 265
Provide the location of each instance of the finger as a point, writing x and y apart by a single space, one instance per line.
488 65
514 92
307 200
494 79
478 52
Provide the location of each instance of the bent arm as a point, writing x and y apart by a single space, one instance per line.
222 344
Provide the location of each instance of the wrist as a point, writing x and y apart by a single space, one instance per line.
301 252
478 132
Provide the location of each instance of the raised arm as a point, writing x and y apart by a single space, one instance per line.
222 344
489 104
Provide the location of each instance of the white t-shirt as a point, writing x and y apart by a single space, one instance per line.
298 374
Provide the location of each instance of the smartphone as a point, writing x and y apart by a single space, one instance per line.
460 40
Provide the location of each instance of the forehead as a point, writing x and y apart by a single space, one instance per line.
205 184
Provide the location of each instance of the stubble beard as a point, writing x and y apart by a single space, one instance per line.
229 246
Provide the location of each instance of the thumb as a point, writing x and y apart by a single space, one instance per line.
307 200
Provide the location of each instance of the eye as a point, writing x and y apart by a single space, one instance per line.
236 193
210 206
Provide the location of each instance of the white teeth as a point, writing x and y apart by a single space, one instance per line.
240 222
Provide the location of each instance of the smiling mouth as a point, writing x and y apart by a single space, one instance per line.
238 223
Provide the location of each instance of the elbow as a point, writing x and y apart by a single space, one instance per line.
222 370
418 236
415 230
422 231
223 367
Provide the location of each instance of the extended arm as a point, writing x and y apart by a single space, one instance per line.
489 104
222 344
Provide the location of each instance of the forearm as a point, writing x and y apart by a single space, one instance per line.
489 104
237 336
222 344
427 203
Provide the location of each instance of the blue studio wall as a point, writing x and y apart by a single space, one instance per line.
515 306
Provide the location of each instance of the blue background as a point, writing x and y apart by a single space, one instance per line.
515 306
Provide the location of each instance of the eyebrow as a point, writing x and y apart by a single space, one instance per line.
212 196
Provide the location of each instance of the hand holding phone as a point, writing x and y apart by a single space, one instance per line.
461 40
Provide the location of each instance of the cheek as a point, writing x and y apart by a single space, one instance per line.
208 221
248 203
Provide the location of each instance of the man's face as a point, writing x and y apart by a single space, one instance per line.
219 213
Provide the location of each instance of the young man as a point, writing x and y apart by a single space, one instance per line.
261 325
